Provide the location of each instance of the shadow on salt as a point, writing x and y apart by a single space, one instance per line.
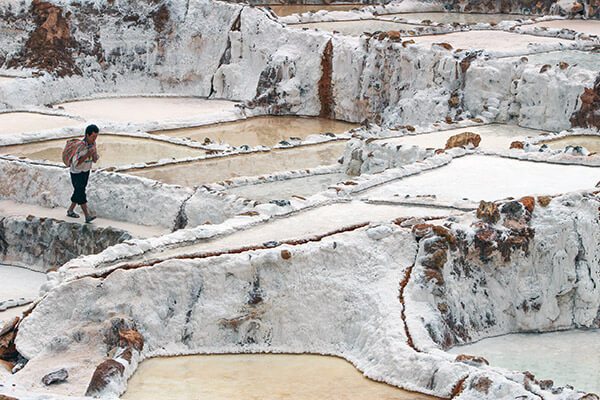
592 143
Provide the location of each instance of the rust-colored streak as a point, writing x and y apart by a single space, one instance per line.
325 85
588 115
458 388
403 284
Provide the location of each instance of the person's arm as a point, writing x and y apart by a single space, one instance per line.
81 158
95 155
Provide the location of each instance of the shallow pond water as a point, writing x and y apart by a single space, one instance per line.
114 150
570 357
289 9
477 177
578 25
452 17
488 40
251 164
493 137
356 28
265 130
585 59
284 189
26 122
257 376
592 143
149 109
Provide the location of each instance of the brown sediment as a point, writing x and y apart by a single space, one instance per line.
50 46
325 85
588 115
459 387
403 284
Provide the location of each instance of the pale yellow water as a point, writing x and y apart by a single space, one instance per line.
488 40
222 168
592 143
493 137
356 28
150 109
266 131
586 26
24 122
259 377
283 10
114 150
461 18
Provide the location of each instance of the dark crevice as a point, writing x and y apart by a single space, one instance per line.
403 284
325 83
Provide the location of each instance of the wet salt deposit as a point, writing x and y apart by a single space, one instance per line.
592 143
489 178
265 131
114 150
356 28
24 122
452 17
493 137
584 59
571 357
285 189
258 163
257 376
283 10
578 25
138 110
489 40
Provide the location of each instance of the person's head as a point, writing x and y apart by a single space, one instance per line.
91 133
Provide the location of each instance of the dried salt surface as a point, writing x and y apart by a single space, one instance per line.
114 150
452 17
305 187
489 178
257 376
489 40
585 59
6 79
12 208
493 137
309 223
19 283
592 143
265 131
356 28
250 164
30 122
284 10
570 357
578 25
149 109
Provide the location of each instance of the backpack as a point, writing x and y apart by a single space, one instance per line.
69 151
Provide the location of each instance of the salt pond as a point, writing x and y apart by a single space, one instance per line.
452 17
151 109
257 163
592 143
266 130
579 25
113 149
19 283
489 178
356 28
570 357
585 59
493 137
288 9
257 376
489 40
285 189
26 122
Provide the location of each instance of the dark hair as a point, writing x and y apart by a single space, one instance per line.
91 129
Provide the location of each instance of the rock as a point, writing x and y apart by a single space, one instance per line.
488 212
545 68
517 145
463 140
286 254
422 230
407 42
131 338
104 373
546 384
249 213
280 203
528 202
475 361
563 65
5 397
394 36
55 377
481 384
454 101
512 209
544 200
444 45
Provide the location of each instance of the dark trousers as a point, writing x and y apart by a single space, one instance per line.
79 182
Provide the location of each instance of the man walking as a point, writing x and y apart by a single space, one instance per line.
81 164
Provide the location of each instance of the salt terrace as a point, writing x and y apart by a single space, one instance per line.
390 200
